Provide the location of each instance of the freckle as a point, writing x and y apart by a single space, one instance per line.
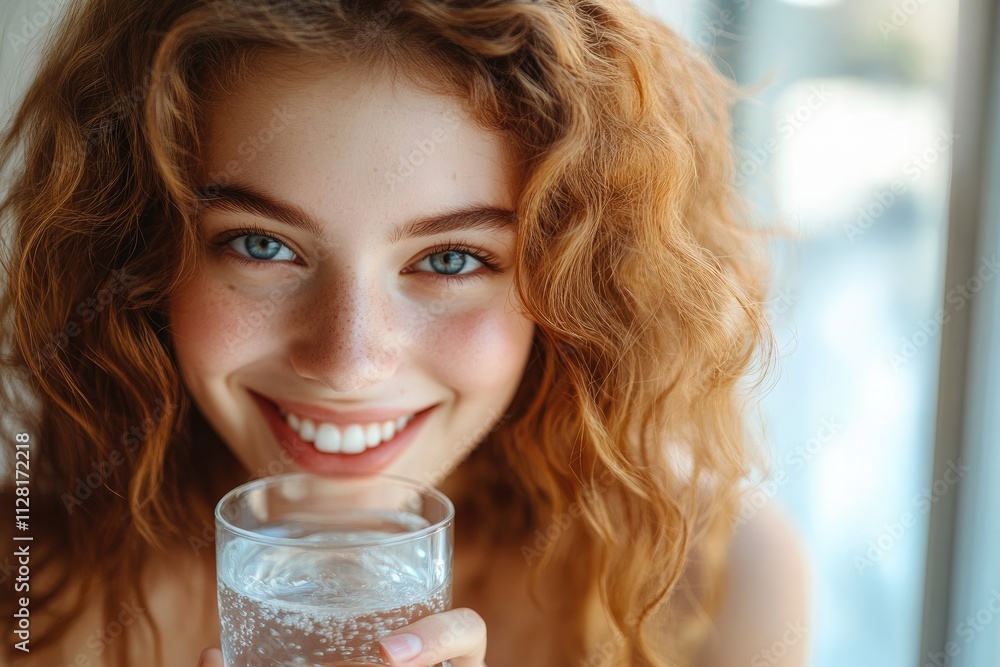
232 288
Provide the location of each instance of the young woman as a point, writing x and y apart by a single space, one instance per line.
489 245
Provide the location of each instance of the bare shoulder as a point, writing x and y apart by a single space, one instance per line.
763 620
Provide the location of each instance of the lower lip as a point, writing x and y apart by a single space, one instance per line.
305 454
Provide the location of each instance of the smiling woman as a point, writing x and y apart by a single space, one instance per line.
493 246
351 342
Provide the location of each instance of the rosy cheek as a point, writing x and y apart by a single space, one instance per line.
211 326
476 350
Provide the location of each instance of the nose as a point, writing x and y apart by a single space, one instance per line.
344 336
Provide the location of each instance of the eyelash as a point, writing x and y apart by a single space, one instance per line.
489 261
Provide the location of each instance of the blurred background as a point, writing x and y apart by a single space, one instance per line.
868 139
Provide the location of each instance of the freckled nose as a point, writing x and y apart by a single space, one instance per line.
346 341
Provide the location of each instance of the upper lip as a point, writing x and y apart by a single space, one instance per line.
318 413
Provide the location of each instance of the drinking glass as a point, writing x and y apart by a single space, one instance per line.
316 569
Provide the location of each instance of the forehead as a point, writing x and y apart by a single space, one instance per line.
352 144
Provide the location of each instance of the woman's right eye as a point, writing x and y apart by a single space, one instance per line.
261 248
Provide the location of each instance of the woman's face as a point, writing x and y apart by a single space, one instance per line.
354 311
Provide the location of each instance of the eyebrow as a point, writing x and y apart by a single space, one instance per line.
242 198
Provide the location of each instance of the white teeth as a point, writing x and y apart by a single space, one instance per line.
352 439
307 430
327 438
388 430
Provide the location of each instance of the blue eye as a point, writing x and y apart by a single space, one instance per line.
450 262
260 247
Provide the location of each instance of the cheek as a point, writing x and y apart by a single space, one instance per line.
212 326
480 350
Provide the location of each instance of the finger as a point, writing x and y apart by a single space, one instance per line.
458 635
210 657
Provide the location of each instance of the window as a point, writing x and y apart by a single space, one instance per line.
868 139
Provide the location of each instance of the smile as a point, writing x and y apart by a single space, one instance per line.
345 439
362 442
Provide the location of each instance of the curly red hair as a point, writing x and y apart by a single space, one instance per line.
636 257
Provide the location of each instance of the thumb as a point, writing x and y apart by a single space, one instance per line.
210 657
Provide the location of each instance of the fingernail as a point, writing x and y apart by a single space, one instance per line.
402 647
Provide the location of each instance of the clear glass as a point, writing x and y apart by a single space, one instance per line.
316 569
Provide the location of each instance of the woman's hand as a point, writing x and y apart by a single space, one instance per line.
457 635
210 657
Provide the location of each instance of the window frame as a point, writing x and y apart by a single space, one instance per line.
963 547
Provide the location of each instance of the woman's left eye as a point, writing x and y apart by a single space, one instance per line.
261 248
449 263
